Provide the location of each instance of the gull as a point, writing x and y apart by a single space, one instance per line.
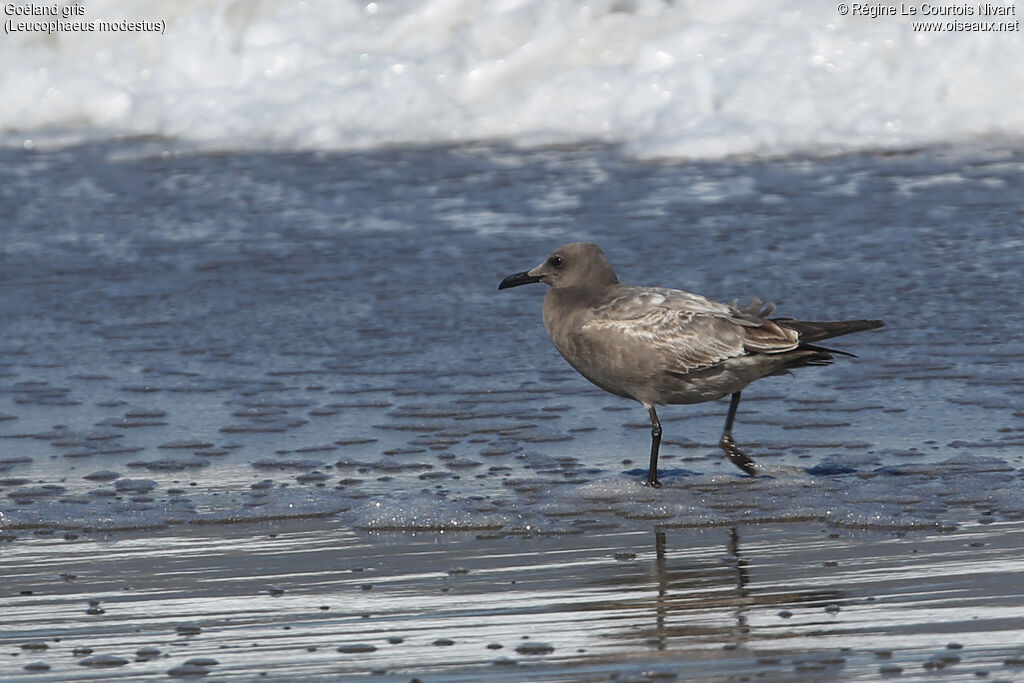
663 346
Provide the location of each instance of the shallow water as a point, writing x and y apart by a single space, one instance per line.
197 348
326 330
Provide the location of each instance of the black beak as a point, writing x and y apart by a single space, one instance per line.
516 279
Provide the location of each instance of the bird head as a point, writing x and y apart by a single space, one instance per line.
573 265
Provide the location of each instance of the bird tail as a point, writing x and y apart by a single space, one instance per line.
812 354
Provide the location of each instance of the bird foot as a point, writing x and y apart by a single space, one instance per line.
653 483
736 456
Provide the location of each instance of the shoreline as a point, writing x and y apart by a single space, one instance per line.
278 600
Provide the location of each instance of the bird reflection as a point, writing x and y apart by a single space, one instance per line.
736 596
711 599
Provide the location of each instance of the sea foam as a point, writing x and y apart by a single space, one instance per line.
662 79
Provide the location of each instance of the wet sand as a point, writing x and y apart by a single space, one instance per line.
314 599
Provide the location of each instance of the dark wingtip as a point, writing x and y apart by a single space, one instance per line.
812 331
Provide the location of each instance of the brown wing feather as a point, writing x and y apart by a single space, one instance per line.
770 338
683 339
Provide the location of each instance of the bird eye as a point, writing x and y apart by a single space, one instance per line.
556 261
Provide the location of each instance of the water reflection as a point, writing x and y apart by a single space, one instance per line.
703 598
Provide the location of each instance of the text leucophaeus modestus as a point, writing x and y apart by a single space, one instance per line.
664 346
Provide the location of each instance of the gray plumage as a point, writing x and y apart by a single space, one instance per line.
664 346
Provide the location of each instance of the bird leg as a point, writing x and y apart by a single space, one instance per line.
732 451
652 470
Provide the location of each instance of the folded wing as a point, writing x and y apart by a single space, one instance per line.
689 330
